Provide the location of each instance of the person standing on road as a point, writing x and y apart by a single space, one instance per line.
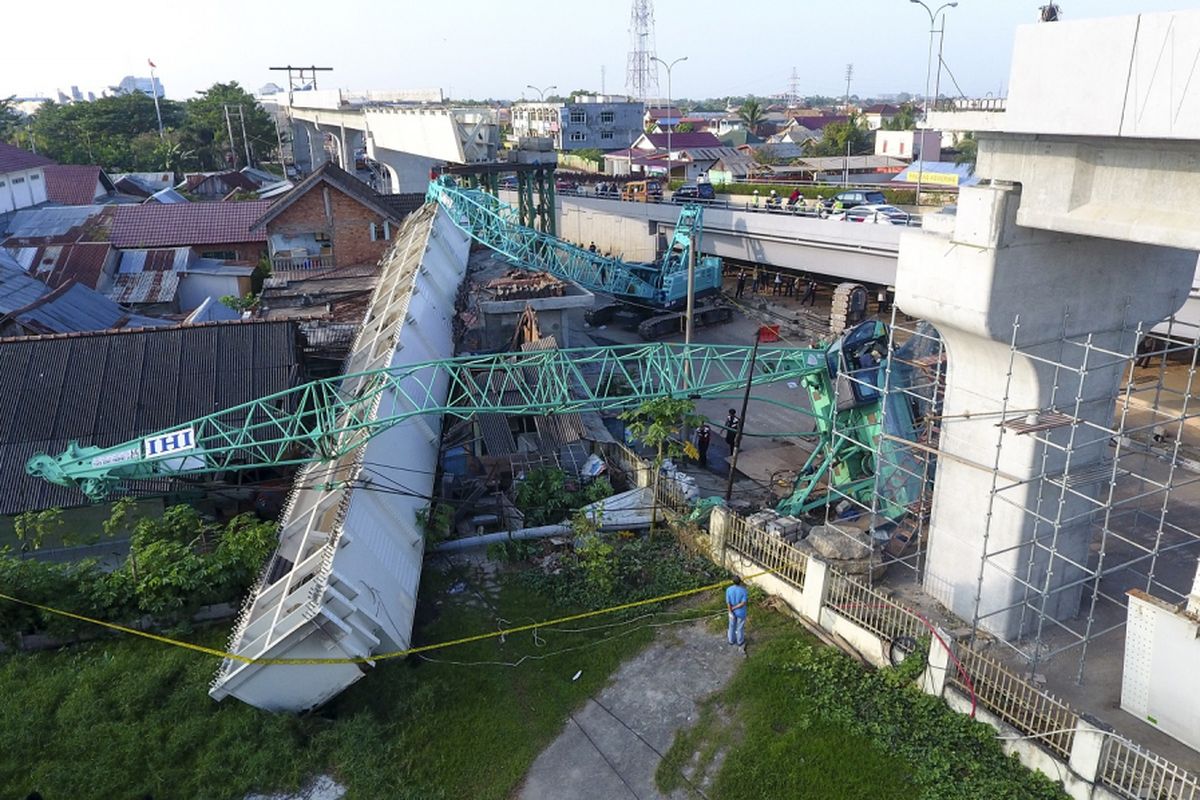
592 247
741 284
703 437
778 283
736 600
731 426
755 284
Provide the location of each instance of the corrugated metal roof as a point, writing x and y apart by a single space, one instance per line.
112 387
51 223
172 259
74 308
555 430
18 290
145 287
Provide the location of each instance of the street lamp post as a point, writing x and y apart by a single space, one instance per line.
541 92
928 57
668 66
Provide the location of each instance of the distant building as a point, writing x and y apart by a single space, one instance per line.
602 122
130 84
22 178
909 144
880 114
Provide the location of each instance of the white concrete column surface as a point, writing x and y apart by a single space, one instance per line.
933 681
973 285
816 575
1068 234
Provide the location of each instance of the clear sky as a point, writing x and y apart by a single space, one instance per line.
485 48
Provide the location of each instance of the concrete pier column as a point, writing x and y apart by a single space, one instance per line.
975 281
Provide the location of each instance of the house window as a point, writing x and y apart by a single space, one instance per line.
606 135
578 117
608 117
381 233
18 180
220 255
35 177
322 237
902 148
885 145
578 136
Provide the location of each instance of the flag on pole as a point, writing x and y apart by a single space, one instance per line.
152 64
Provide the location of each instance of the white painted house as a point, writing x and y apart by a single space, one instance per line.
22 178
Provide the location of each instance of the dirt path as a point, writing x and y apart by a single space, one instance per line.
612 746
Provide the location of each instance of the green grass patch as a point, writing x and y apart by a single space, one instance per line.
801 720
124 717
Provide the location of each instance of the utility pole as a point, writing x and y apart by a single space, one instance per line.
849 128
154 93
602 90
737 442
229 127
245 138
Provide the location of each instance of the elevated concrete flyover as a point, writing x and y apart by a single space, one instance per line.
404 139
639 231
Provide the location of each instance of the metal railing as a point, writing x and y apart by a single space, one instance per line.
770 552
296 263
670 495
871 610
971 104
1137 773
1017 702
621 458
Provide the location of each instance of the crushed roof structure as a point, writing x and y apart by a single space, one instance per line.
16 159
32 309
143 184
116 386
76 184
337 178
183 224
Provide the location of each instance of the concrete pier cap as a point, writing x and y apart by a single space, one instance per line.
1083 232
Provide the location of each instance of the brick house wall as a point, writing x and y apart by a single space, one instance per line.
325 209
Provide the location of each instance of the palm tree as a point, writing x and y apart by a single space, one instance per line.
751 113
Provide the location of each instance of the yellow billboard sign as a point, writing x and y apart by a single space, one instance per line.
933 178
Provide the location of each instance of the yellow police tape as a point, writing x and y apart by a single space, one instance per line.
211 651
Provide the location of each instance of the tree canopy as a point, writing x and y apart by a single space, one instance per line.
751 113
837 134
121 133
905 119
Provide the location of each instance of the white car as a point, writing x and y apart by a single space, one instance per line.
877 214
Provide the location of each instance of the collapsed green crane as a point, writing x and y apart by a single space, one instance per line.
325 419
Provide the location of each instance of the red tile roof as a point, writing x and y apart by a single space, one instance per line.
184 224
15 159
71 184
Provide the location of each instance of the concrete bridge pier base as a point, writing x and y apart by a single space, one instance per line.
407 172
1006 543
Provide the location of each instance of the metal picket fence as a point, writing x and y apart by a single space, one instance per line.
870 609
1137 773
770 552
1018 702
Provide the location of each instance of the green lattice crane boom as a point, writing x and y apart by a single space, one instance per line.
325 419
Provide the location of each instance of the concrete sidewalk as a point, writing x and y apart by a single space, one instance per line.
612 746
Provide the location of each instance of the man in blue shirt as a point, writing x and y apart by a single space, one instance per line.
736 600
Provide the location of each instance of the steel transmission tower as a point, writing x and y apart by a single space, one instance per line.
641 78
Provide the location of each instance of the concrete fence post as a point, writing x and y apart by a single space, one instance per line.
1087 748
718 524
816 574
939 664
